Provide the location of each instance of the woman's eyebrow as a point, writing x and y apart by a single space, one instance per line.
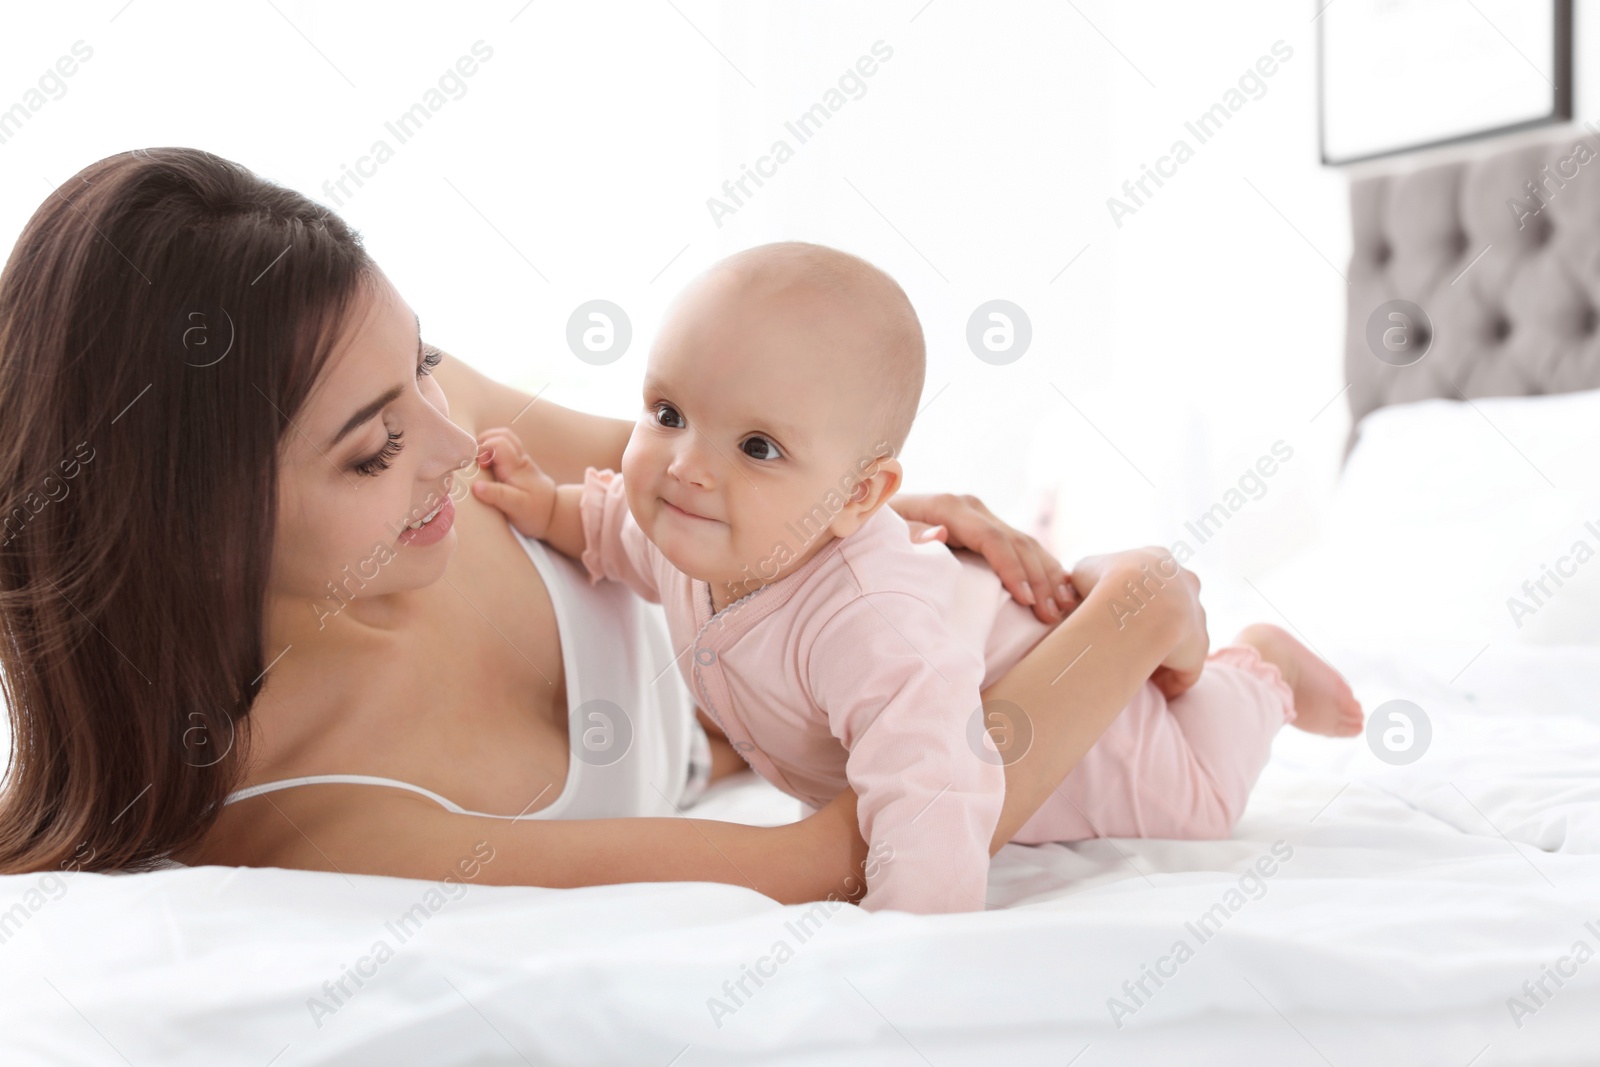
369 410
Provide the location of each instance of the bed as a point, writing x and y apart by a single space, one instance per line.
1442 911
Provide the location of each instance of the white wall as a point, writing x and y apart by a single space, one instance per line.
1170 356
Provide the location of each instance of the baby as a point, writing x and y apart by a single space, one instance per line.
832 649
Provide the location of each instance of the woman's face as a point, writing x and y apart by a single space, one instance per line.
371 452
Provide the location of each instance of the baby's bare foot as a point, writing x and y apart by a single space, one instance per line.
1323 702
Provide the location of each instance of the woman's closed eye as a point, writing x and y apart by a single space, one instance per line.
758 447
379 461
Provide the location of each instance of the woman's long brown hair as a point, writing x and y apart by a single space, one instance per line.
162 319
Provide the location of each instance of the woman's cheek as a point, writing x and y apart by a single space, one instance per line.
303 552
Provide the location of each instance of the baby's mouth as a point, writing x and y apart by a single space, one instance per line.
674 509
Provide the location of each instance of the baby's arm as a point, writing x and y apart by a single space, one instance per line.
900 695
1155 571
529 497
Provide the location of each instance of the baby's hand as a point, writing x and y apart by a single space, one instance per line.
526 494
1184 664
1181 670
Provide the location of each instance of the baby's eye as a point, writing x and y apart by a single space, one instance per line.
667 415
759 447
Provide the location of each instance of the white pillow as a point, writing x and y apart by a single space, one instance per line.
1448 517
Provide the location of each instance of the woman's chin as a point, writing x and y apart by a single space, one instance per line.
419 566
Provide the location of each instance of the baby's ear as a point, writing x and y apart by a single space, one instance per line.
872 491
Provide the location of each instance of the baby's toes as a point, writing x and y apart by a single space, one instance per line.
1350 718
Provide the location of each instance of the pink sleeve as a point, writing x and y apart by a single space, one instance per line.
900 694
613 545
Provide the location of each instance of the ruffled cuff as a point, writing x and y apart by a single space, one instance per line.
602 495
1248 658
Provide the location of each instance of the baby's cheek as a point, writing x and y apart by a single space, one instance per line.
645 455
638 503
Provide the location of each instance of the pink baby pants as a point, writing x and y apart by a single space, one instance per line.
1180 769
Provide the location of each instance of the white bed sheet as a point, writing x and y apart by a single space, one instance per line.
1417 901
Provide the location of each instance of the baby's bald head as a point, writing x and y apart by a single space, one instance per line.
861 312
779 390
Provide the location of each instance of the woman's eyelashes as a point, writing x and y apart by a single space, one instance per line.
378 462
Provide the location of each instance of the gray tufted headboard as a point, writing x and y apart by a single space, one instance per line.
1524 318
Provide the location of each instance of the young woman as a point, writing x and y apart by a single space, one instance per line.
251 616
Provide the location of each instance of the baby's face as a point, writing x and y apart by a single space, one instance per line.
753 437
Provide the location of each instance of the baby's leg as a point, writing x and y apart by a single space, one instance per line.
1181 770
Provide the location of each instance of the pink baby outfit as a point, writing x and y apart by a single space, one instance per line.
863 667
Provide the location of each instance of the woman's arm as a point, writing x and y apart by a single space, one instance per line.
562 441
390 832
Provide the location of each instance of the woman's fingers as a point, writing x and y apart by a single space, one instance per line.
1052 585
1056 581
1031 575
1035 577
1045 604
1000 552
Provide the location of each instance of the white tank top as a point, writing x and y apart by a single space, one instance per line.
636 746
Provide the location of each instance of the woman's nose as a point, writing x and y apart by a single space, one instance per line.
453 449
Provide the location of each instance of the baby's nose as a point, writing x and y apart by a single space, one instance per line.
689 467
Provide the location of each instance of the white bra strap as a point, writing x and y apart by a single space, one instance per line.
368 779
344 779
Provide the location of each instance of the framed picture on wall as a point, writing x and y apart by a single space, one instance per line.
1399 75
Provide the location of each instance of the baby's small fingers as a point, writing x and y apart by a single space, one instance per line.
495 494
495 460
501 436
501 452
507 499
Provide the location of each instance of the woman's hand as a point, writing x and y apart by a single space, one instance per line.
832 839
1028 571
